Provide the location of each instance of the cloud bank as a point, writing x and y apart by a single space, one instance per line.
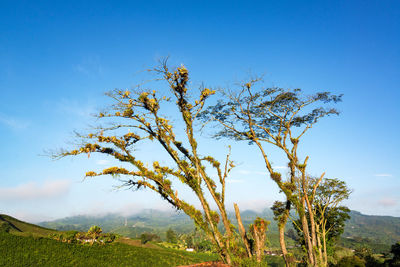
34 191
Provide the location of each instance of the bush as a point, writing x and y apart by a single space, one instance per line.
351 261
146 237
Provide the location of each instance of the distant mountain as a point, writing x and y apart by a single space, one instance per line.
376 232
373 230
132 226
148 218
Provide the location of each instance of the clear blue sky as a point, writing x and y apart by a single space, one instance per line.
57 58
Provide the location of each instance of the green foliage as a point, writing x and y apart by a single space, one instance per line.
357 242
189 241
92 236
30 251
95 230
5 226
147 237
251 262
351 261
203 245
335 223
171 236
395 250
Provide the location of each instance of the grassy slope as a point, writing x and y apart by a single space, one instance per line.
25 244
18 227
36 251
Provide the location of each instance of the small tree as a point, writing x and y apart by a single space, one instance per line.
280 118
138 116
189 241
171 236
146 237
329 216
94 232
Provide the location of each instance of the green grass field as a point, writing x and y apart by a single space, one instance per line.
38 251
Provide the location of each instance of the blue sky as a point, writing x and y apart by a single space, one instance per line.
57 58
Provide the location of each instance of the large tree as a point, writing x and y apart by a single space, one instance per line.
142 115
278 117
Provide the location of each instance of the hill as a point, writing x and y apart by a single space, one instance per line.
15 226
376 232
385 229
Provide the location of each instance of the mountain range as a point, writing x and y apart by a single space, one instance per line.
378 232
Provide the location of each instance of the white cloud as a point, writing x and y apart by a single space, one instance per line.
101 208
102 162
31 217
383 175
279 167
34 191
244 172
387 202
13 123
234 181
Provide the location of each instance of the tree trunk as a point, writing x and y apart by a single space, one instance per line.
324 240
307 239
312 226
242 231
320 246
281 226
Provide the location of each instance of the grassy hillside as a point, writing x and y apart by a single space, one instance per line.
15 226
37 251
